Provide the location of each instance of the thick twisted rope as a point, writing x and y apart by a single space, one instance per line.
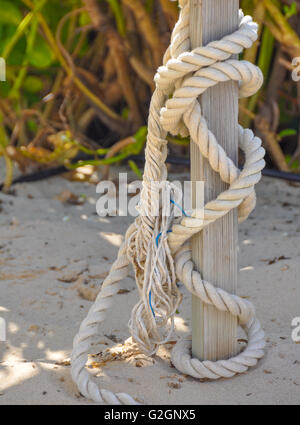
156 245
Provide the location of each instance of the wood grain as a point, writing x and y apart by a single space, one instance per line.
215 249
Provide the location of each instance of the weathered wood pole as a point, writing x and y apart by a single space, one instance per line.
215 249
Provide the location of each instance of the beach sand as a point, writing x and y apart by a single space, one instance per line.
55 255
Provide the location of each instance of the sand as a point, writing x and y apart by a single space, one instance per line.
49 251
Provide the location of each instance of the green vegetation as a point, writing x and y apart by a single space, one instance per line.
80 77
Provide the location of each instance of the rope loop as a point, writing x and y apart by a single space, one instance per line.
157 245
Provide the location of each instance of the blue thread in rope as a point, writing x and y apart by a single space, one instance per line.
150 295
180 207
157 241
159 235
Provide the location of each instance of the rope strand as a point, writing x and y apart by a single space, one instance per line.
158 246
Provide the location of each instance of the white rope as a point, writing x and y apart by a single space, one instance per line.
161 257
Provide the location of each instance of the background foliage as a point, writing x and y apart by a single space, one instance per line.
80 73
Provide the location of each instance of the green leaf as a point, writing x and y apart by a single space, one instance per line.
119 16
84 19
32 99
55 10
287 132
135 169
32 125
291 10
125 112
9 13
7 32
16 56
294 165
5 88
141 134
41 55
3 137
33 84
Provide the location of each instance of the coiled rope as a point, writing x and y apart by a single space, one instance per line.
157 245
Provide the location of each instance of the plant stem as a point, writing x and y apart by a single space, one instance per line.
17 35
51 40
8 174
119 16
288 36
15 91
8 161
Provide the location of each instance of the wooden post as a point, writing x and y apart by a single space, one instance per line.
215 249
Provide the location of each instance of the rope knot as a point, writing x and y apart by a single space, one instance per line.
157 244
190 74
